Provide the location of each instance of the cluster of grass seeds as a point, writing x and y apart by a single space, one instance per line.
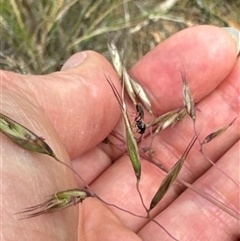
38 36
66 198
159 123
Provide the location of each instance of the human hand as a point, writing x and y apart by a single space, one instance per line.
75 109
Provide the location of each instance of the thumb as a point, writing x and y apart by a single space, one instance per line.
79 101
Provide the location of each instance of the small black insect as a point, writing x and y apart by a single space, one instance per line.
139 119
140 111
141 126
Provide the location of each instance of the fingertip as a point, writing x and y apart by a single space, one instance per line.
74 60
235 34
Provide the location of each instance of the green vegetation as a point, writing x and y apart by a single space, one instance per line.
38 36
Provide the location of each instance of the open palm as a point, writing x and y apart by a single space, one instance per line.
75 109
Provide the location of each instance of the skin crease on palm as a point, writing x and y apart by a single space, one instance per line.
75 109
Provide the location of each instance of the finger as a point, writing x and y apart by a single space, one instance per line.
216 110
206 53
77 100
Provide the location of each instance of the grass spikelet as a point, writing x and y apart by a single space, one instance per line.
132 87
209 138
24 137
216 133
168 119
132 147
116 58
56 202
187 97
142 95
164 121
121 70
171 176
128 86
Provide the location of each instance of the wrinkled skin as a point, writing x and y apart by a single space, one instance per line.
74 110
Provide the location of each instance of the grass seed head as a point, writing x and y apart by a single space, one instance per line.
56 202
168 119
171 176
116 58
23 136
133 152
132 147
187 97
216 133
142 95
128 86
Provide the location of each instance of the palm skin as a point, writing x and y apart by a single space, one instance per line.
74 110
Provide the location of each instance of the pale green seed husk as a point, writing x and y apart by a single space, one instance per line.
23 136
132 147
56 202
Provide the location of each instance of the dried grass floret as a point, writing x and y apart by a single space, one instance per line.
187 97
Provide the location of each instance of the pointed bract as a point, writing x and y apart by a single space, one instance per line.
142 95
187 98
128 86
116 59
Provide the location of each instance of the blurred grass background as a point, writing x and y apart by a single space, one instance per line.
37 37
